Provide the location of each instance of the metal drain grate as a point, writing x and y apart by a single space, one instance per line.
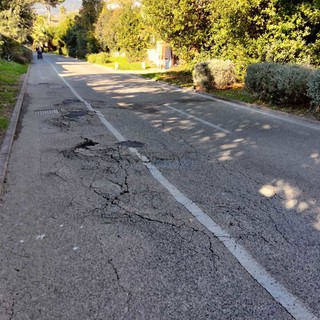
46 111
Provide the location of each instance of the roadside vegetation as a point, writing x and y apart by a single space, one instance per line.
119 63
10 75
221 47
214 45
242 92
16 21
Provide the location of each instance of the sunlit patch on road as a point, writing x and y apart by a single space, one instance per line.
291 196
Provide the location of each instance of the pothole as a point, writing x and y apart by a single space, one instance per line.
131 144
75 114
84 145
70 101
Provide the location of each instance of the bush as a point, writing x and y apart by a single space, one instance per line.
99 58
278 83
214 74
314 88
222 72
202 78
12 50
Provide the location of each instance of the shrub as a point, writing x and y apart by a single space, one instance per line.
201 75
314 88
278 83
222 72
12 50
99 58
214 73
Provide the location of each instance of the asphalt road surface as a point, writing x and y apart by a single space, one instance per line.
131 199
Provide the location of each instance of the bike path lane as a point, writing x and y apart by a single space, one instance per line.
87 233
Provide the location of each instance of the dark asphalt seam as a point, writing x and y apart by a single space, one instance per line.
12 309
8 140
116 272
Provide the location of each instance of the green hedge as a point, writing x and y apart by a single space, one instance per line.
98 58
214 73
279 83
314 88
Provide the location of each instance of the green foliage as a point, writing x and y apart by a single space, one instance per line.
4 123
314 88
123 29
15 18
89 13
10 73
243 31
180 77
12 50
238 94
74 35
222 72
182 23
202 77
44 33
61 33
77 34
99 58
278 83
214 74
50 3
105 29
124 64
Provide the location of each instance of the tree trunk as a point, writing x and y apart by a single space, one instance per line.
49 12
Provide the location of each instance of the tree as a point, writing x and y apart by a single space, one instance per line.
62 32
79 38
89 12
123 29
182 23
49 4
63 10
104 29
16 18
43 33
132 36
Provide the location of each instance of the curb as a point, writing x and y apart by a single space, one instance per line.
9 137
247 105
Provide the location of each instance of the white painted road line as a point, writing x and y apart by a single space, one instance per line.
272 114
280 294
198 119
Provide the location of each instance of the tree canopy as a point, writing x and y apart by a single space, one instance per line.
244 31
16 18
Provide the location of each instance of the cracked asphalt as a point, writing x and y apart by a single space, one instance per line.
86 232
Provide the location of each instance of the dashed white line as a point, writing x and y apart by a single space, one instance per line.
289 301
285 118
198 119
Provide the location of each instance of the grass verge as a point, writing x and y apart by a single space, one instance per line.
124 64
10 78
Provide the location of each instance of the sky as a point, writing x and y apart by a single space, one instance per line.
70 5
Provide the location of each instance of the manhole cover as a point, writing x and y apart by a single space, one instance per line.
46 111
131 144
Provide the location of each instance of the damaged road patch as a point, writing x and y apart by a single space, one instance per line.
131 144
